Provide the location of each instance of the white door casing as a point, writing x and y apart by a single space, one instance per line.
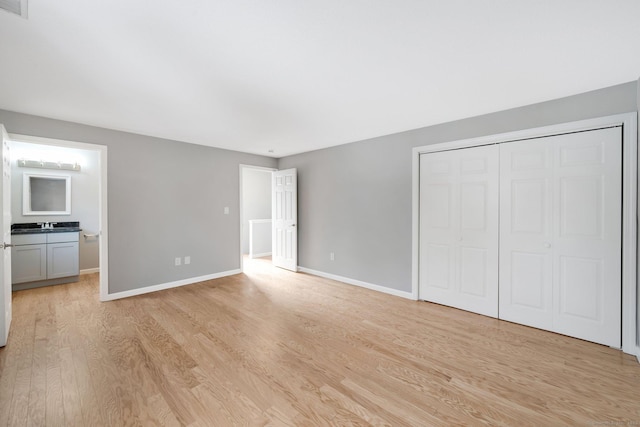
459 229
285 219
5 226
560 234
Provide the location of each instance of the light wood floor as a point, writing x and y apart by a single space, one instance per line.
275 348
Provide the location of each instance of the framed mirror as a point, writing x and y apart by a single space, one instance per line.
46 194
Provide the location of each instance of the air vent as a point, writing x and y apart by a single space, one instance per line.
19 7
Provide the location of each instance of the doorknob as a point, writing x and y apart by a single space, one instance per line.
293 225
547 244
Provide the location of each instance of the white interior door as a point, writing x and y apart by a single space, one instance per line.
285 218
560 234
5 226
526 232
587 263
459 229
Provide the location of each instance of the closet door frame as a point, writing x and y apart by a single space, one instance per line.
628 121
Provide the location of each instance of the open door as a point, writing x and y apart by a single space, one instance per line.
5 226
284 208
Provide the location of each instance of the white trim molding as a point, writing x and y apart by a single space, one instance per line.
89 271
628 121
169 285
355 282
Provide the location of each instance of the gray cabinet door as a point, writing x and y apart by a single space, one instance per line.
28 263
62 260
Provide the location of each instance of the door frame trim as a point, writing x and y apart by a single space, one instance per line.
628 121
103 199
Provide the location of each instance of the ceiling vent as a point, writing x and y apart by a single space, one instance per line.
19 7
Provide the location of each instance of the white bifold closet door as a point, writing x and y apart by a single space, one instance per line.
560 234
459 229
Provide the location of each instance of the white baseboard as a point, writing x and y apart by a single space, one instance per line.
260 255
89 271
169 285
360 283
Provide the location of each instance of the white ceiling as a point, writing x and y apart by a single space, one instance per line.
298 75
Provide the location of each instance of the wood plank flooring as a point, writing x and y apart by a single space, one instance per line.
271 347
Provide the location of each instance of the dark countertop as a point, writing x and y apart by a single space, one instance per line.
34 228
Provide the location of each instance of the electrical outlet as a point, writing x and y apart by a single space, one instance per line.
187 260
332 256
178 261
226 210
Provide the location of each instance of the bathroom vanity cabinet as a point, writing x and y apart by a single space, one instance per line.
44 259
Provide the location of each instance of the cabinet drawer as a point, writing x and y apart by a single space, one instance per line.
63 237
29 239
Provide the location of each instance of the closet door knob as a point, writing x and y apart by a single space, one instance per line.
547 244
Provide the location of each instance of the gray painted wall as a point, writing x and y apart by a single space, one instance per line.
84 192
355 199
256 200
165 199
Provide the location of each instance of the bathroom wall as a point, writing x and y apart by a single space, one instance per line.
84 192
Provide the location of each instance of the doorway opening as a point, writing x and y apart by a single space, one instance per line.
255 215
88 195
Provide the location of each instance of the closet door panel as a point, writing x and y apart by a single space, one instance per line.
458 251
477 251
581 288
560 234
526 175
528 274
587 248
473 271
438 225
438 267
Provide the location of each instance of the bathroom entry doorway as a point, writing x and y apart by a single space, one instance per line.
255 213
88 195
